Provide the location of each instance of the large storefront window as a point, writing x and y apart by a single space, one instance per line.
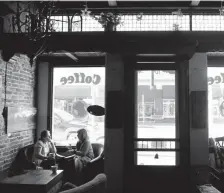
74 89
216 101
156 128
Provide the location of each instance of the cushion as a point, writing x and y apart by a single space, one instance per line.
28 152
97 185
97 149
207 188
22 161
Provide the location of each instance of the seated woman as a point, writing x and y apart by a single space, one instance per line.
44 151
84 151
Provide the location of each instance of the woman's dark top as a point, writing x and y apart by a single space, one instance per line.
85 151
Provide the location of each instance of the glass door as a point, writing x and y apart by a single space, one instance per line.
156 126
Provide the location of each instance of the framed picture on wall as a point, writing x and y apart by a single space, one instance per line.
114 110
21 118
198 111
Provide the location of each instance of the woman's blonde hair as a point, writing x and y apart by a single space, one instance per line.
83 134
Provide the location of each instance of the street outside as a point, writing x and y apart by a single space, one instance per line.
156 131
146 158
65 125
151 131
216 130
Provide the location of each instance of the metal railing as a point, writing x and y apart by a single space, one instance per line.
156 144
149 22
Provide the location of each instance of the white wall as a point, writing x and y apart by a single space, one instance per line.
198 136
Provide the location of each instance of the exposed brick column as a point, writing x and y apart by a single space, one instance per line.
20 92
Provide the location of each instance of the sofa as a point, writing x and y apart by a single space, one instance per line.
96 185
23 159
97 149
94 167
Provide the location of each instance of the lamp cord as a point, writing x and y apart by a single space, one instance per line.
6 69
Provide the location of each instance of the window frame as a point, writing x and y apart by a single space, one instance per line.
215 60
159 67
57 62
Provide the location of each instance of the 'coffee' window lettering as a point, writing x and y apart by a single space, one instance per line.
81 78
216 79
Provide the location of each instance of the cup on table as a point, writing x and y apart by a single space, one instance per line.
54 169
39 168
69 147
52 155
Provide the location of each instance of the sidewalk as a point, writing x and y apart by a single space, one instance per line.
155 124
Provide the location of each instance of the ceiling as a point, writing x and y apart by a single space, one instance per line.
86 42
139 4
127 6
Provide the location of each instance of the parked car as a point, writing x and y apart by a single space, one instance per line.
66 126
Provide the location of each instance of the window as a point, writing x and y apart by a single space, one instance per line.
216 101
156 142
168 108
160 21
154 23
60 23
74 89
90 24
207 23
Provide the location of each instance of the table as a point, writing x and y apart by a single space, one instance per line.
33 181
67 154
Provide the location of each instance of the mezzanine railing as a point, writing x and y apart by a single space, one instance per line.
148 22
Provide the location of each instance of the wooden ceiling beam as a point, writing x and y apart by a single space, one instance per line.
195 3
112 3
120 42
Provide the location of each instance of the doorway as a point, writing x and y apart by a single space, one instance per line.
152 127
156 117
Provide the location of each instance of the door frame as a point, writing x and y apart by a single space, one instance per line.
130 120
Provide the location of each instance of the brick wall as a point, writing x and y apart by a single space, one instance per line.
20 92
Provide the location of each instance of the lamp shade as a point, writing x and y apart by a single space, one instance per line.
96 110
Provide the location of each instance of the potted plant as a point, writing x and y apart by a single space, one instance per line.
109 21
